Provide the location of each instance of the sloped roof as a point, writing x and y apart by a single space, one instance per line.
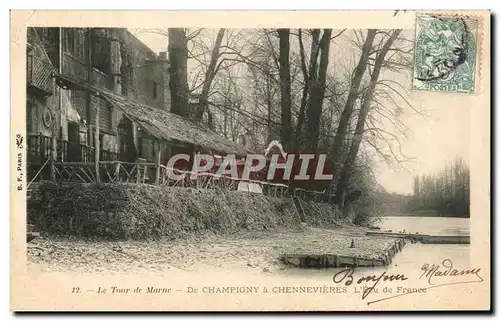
168 126
36 45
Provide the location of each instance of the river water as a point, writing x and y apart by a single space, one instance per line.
190 287
415 255
426 225
431 253
411 262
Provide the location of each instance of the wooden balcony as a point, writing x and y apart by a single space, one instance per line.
78 70
40 150
101 79
75 68
39 75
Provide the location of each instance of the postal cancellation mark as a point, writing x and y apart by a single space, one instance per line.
445 54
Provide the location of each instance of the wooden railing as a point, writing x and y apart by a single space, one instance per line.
310 195
78 69
110 172
145 173
75 162
39 74
40 149
214 181
70 171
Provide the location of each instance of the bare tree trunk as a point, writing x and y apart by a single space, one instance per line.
285 87
97 144
349 106
211 124
269 103
360 125
317 94
209 76
178 54
309 76
225 123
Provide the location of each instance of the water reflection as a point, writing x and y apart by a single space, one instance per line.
413 256
426 225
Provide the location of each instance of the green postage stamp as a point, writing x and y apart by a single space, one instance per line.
445 54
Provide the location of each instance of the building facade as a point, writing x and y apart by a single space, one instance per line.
66 70
101 89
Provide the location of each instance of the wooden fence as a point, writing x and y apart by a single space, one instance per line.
148 173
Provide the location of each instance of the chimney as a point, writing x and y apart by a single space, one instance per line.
162 55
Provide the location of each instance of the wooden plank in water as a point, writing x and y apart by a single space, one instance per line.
332 261
426 238
303 259
391 234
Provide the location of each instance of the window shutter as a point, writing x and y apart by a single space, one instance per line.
101 53
104 114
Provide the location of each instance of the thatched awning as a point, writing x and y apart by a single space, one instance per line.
164 125
160 123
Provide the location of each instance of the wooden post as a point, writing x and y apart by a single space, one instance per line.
158 163
53 155
117 171
55 132
89 106
96 140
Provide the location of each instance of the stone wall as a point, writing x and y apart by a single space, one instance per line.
148 69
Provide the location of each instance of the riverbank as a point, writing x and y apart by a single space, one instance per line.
255 250
146 212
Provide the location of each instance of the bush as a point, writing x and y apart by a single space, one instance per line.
122 211
366 220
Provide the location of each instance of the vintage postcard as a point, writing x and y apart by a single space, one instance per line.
250 160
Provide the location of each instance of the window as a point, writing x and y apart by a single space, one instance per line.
141 148
79 102
80 44
101 52
50 40
105 115
69 39
74 42
155 90
127 79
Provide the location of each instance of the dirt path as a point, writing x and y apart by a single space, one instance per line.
251 250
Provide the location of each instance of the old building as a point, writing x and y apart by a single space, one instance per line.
78 75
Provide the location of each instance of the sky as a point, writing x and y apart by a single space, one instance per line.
439 137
